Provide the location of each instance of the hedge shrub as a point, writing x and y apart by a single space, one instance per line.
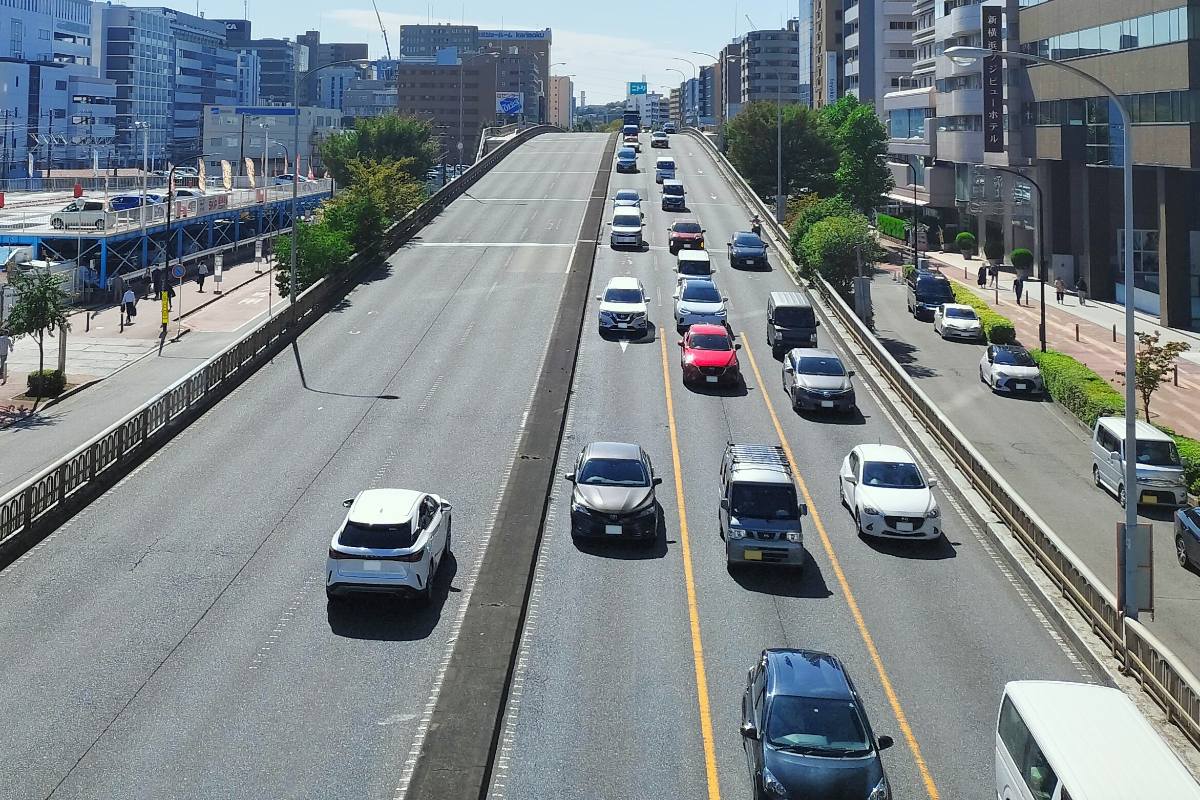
1021 258
907 270
47 383
892 226
1189 451
998 328
965 242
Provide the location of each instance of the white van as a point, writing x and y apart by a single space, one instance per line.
693 264
664 169
1160 477
81 213
1079 741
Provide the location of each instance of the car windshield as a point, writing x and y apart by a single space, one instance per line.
892 475
627 221
794 317
626 152
961 313
815 365
934 290
1015 358
628 194
622 296
710 341
817 726
764 501
613 472
667 165
1157 454
747 240
376 537
698 292
686 227
677 190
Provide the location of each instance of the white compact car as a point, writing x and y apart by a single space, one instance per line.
623 307
698 300
1009 368
626 227
884 489
957 321
628 198
392 541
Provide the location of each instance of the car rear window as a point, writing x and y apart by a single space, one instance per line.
794 316
626 152
820 365
627 221
699 292
377 537
747 240
710 341
666 165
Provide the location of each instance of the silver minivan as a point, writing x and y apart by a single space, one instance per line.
81 213
1160 475
664 169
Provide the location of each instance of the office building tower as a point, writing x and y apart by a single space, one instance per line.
133 47
827 49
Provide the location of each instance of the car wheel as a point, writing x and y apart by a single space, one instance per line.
842 492
424 598
1121 495
1181 552
1096 476
99 224
57 224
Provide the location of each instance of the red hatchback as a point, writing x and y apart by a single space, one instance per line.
709 355
685 235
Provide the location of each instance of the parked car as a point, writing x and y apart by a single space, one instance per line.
1009 368
392 541
817 380
1160 474
957 321
805 730
884 489
747 248
659 139
685 234
613 495
125 202
81 213
286 179
698 300
185 191
708 354
1187 537
623 307
927 291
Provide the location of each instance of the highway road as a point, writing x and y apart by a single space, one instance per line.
1044 453
173 639
633 661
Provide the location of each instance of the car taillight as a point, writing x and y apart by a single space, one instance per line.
339 554
410 557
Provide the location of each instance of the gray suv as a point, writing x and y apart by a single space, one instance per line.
614 493
759 512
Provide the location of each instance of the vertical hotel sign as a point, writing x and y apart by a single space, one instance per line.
993 82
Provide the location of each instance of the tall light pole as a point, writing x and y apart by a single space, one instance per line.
1042 232
145 129
969 55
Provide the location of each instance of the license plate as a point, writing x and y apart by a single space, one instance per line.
372 566
826 404
612 530
1020 386
622 324
752 555
710 378
904 526
751 261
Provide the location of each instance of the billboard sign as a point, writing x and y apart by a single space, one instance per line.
516 36
637 87
993 82
510 102
831 77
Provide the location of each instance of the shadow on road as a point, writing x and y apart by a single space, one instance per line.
650 337
392 619
905 355
625 549
304 382
854 417
917 550
783 581
738 389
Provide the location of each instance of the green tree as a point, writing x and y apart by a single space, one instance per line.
1154 360
833 247
861 140
809 157
391 137
323 250
40 307
388 185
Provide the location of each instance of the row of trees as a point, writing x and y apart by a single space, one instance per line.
380 167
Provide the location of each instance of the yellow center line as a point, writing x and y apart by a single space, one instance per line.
860 623
710 752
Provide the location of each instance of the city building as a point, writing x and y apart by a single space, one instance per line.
369 98
827 51
424 41
518 71
689 101
133 47
729 82
706 95
804 46
279 60
770 61
234 133
675 105
249 77
561 101
653 108
458 98
333 83
321 54
878 51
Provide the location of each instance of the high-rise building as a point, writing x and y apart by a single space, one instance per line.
675 105
249 77
878 50
333 83
706 91
370 98
133 47
804 47
278 59
458 98
729 81
518 71
424 41
561 101
770 62
827 50
321 54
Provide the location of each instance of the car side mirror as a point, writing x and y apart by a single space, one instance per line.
724 299
851 479
1114 456
656 481
569 477
349 501
681 342
804 509
446 506
788 368
737 346
724 503
598 297
702 230
749 731
850 373
816 323
885 742
932 483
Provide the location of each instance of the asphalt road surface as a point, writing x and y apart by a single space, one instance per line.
173 639
634 659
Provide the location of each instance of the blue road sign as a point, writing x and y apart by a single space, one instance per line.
510 102
637 87
177 270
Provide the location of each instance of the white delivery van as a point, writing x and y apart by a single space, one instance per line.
1160 475
693 264
664 169
1080 741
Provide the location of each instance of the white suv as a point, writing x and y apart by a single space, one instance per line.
623 307
392 541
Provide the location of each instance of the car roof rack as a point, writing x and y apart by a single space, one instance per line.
765 455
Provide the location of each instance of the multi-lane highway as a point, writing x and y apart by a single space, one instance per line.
634 660
173 639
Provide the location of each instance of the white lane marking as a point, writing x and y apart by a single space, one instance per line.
491 244
429 395
624 345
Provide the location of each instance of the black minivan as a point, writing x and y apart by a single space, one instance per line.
927 291
791 322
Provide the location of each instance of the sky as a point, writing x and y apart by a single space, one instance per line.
604 44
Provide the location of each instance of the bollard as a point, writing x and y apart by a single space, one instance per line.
1176 381
1114 331
1077 331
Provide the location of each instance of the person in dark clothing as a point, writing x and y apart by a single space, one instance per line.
1081 290
1018 288
981 276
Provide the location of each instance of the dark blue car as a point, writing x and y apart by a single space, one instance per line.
746 248
805 731
124 202
1187 537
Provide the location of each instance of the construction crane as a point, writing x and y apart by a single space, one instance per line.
383 30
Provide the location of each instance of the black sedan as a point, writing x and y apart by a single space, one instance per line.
747 249
1187 537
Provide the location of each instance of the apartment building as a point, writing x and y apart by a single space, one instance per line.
369 98
728 94
133 48
561 101
321 54
458 98
424 41
827 48
770 62
878 53
266 134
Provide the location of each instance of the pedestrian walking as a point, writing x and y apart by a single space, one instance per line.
1018 288
994 274
201 274
129 306
981 276
1060 290
1081 290
6 347
170 293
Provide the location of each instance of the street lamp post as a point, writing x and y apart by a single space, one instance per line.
170 239
968 55
1042 232
682 115
916 255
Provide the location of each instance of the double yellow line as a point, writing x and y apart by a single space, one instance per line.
710 761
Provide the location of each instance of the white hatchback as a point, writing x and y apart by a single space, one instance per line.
884 489
392 541
957 321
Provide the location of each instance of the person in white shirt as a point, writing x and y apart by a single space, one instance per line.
6 347
129 306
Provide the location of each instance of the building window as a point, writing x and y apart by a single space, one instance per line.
1145 257
968 122
908 123
1147 30
902 25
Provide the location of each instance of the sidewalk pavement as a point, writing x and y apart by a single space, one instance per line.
1085 332
98 345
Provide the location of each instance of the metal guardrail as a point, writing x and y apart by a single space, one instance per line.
1172 685
38 506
